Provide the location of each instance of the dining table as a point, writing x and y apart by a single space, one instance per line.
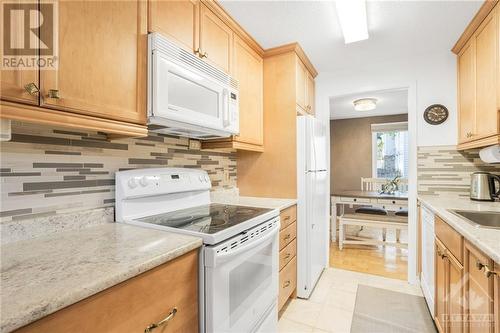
340 199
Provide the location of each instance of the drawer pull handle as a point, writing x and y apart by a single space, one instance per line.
287 256
162 322
32 89
53 93
485 268
286 284
286 218
441 254
287 237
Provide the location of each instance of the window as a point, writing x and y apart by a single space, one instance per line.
390 150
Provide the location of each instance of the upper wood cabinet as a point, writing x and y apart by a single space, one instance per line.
304 88
195 27
177 20
102 60
99 82
216 40
478 66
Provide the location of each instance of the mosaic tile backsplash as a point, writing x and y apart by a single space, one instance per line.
442 170
46 171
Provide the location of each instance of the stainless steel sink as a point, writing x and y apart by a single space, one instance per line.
480 219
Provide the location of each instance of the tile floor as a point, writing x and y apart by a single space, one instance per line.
331 305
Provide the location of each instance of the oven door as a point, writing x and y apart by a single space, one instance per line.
241 284
186 95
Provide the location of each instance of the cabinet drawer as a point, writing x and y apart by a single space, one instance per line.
287 235
392 202
288 282
288 216
134 304
453 241
361 200
288 253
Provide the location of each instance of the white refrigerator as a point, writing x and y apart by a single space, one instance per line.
312 205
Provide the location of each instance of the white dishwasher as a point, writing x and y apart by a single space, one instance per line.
427 275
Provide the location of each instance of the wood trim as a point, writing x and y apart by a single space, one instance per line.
484 142
231 144
217 9
292 47
485 9
39 115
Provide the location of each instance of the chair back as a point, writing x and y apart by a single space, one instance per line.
375 184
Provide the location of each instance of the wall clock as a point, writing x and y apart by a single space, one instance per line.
436 114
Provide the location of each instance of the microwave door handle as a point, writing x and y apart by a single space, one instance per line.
225 108
249 245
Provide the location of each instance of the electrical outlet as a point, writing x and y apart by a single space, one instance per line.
194 144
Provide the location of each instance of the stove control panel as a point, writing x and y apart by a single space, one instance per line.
150 182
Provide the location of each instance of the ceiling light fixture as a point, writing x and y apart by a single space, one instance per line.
352 17
365 104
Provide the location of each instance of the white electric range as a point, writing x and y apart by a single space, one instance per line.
239 258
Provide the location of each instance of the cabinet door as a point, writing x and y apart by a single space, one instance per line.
455 296
310 94
248 70
466 92
440 267
102 60
12 82
478 292
177 20
486 41
301 84
216 39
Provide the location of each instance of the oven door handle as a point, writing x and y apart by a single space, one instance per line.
249 245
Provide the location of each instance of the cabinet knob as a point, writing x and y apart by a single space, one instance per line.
287 256
479 265
162 322
204 55
286 284
287 237
32 89
286 218
53 93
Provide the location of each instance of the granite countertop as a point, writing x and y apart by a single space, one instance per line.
273 203
42 275
485 239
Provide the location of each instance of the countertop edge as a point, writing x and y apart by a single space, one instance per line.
52 306
468 236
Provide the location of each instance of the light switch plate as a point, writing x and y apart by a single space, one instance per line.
194 144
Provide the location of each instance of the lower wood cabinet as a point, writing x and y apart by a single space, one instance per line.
479 291
467 291
133 305
287 255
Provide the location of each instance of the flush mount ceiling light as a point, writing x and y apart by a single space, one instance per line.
365 104
352 17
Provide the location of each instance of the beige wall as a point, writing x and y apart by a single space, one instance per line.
351 150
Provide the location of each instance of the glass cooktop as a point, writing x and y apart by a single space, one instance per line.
207 219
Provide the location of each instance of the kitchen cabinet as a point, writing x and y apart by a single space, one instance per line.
448 290
99 74
248 70
287 255
479 291
478 66
176 20
216 40
304 88
273 173
99 80
167 291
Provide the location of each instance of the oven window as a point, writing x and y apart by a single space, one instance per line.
247 281
181 93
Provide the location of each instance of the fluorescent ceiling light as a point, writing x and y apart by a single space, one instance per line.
352 17
365 104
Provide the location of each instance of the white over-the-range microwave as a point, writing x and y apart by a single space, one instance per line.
187 96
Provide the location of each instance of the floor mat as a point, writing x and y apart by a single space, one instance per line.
380 310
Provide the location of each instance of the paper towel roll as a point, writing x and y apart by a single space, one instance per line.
490 154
